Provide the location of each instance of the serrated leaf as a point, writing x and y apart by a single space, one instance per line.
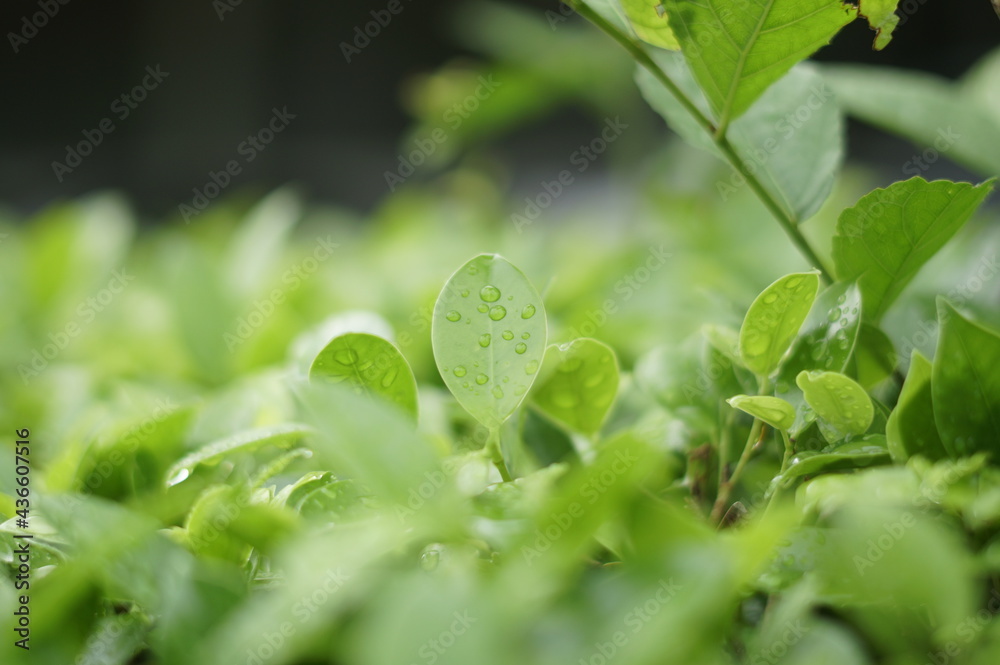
884 239
488 333
839 402
648 19
965 384
578 384
911 429
737 50
369 365
774 411
248 441
773 320
881 15
796 158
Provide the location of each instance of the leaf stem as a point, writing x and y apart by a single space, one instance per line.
496 454
789 223
726 488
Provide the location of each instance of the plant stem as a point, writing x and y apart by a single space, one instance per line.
726 488
787 219
496 454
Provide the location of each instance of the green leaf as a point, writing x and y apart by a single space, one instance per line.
577 384
370 365
737 50
796 159
825 342
840 403
884 239
874 355
869 451
965 384
940 117
248 441
911 429
881 15
648 19
774 411
488 333
773 320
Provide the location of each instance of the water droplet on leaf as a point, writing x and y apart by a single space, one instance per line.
528 312
489 293
484 340
521 348
460 371
497 312
453 316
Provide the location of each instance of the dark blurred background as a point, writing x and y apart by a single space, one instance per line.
230 62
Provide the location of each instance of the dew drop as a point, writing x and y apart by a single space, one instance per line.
497 312
453 316
521 347
460 371
489 293
520 390
346 356
179 477
528 312
525 335
484 340
770 298
833 315
481 379
507 335
593 380
483 307
390 377
793 282
571 365
531 367
465 293
497 392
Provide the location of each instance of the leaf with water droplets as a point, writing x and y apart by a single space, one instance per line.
965 384
825 342
774 411
502 369
370 365
578 384
773 320
248 441
841 404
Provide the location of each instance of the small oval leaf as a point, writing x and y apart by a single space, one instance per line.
370 365
488 333
773 320
774 411
839 401
578 384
